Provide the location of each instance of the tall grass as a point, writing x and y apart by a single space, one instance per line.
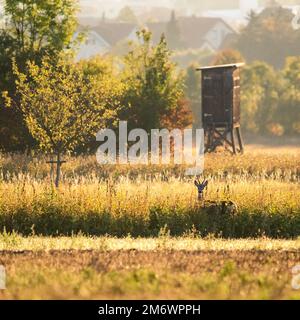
144 201
143 208
260 163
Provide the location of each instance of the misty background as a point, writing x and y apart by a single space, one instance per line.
148 53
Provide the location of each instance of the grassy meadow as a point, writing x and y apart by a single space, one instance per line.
139 232
145 201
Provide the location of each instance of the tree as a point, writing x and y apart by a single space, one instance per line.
228 56
127 15
193 92
179 117
39 27
193 83
153 85
98 67
269 36
261 89
289 107
63 107
34 28
105 69
173 33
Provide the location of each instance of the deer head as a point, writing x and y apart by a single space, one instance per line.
201 187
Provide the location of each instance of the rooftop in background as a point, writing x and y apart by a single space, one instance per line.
208 29
211 34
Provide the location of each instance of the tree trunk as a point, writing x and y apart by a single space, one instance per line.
58 164
51 169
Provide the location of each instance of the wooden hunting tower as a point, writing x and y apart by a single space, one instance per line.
221 106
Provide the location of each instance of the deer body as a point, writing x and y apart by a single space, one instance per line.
219 207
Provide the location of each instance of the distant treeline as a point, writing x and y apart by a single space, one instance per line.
50 101
270 98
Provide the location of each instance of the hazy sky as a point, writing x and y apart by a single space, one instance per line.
111 7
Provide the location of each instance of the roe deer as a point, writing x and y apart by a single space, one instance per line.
201 187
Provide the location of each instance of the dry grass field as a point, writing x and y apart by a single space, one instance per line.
140 232
143 201
155 274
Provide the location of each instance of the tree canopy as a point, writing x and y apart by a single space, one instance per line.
33 29
270 37
62 106
126 14
153 83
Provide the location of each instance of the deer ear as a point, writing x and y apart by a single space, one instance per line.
196 183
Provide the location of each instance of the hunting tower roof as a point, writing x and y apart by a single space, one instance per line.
223 66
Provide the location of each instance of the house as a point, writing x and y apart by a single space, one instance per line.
93 44
202 33
115 32
197 32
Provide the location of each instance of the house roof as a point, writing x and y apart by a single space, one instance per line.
157 29
114 32
193 30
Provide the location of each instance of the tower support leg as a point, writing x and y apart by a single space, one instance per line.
240 140
233 141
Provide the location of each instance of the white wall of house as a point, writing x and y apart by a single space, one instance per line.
217 34
93 45
207 47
